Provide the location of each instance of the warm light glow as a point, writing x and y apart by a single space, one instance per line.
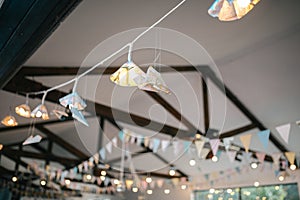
281 178
149 192
192 162
293 167
23 110
254 165
264 198
73 100
229 190
67 182
40 112
220 198
88 177
102 178
214 159
210 196
172 172
256 183
135 189
103 173
116 182
148 179
243 3
277 187
232 193
9 121
43 182
198 136
14 179
1 147
167 191
183 187
211 190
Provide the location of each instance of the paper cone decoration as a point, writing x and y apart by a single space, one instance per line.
127 74
9 121
284 132
40 112
229 10
76 114
291 157
231 155
264 137
246 140
23 110
32 140
199 146
60 114
227 142
260 156
73 100
214 143
152 82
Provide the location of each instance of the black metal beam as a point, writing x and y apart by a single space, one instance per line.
237 131
24 26
205 104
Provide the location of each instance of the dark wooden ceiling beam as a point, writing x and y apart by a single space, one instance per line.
24 26
205 104
237 131
61 142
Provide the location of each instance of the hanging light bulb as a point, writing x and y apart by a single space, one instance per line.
14 179
281 178
148 179
127 75
254 165
73 100
41 111
192 162
135 189
9 121
293 167
24 110
172 172
215 159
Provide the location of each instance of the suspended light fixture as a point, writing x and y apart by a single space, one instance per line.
192 162
152 81
78 115
229 10
41 111
9 120
172 172
293 167
14 179
24 110
215 159
148 179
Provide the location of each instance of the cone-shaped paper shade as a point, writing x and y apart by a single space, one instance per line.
76 114
60 114
23 110
73 100
40 112
9 121
32 140
126 75
215 8
152 82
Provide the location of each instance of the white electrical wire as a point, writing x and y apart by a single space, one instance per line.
109 57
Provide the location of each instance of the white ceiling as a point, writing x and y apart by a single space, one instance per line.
256 57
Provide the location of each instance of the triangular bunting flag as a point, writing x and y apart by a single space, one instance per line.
204 153
227 142
246 140
264 137
291 157
160 183
164 144
146 142
108 147
115 141
284 131
102 153
199 146
260 156
139 141
276 157
121 135
156 143
231 155
214 143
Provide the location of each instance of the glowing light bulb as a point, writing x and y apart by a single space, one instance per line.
102 178
167 191
254 165
103 173
183 187
116 182
214 159
14 179
149 191
211 190
148 179
67 182
192 162
43 182
135 189
39 114
256 183
229 190
172 172
243 3
88 177
281 178
293 167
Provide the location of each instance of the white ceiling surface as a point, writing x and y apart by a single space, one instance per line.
256 57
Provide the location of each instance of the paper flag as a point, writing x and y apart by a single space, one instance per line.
227 142
199 146
214 143
115 141
231 155
165 144
152 81
121 135
76 114
204 153
260 156
177 146
106 181
128 183
139 141
160 183
175 181
264 137
291 157
284 131
246 140
32 140
102 153
156 143
152 185
108 147
146 142
73 100
276 157
86 166
127 75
